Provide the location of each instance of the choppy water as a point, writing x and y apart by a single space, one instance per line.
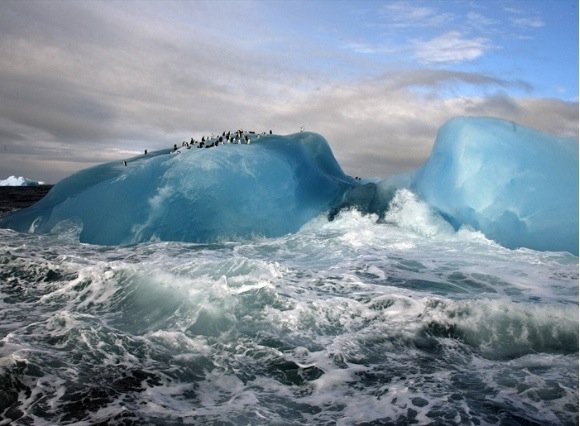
345 322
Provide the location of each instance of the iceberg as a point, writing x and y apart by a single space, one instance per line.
269 187
19 181
515 184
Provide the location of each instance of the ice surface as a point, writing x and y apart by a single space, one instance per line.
19 181
269 187
516 185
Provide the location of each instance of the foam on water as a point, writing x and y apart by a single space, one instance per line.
349 321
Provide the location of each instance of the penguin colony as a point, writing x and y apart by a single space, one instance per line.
229 137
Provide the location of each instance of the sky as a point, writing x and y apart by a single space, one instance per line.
85 82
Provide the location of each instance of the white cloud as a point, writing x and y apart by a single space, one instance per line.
524 18
371 49
528 22
451 47
74 96
479 21
404 15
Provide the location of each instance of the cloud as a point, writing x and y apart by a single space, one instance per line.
379 127
451 47
437 78
406 15
84 82
136 80
480 21
87 82
528 22
524 18
369 48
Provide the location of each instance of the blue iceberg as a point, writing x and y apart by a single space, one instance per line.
516 185
269 187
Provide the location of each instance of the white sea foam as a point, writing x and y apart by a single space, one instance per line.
350 321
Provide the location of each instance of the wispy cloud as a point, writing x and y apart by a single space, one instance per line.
524 19
479 21
529 22
369 48
402 14
451 47
434 79
77 87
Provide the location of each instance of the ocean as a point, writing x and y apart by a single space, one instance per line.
354 321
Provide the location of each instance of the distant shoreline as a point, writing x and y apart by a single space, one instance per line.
18 197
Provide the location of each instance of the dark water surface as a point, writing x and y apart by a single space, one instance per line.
349 322
19 197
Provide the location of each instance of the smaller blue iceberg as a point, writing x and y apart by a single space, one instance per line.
515 184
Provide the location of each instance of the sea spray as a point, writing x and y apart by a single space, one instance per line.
350 321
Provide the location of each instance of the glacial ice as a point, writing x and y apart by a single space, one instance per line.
270 187
19 181
516 185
